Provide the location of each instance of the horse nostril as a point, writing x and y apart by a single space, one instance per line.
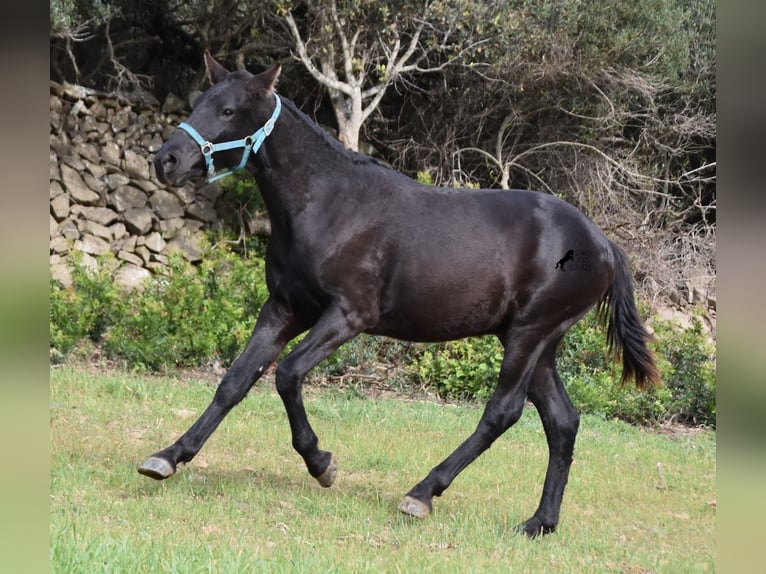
164 164
169 162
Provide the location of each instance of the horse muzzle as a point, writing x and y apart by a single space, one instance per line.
175 165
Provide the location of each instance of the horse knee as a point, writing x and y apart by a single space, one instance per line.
231 390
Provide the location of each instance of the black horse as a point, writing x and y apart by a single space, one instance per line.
357 247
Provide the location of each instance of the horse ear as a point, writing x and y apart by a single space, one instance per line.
215 71
265 82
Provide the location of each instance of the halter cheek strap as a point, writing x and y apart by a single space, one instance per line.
250 143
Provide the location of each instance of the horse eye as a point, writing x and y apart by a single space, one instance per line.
227 112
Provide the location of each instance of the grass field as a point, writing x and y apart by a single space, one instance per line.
247 504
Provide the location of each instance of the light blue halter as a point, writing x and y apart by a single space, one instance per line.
249 143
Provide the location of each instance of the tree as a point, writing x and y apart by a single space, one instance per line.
74 23
358 49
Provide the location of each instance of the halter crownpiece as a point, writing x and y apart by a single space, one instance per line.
250 143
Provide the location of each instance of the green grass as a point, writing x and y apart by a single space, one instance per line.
247 504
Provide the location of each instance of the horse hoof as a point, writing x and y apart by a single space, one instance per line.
328 476
414 507
533 528
156 468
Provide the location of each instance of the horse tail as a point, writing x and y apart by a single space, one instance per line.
626 335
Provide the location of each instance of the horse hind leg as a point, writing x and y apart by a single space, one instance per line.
560 422
502 411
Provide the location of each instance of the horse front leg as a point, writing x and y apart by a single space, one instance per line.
274 328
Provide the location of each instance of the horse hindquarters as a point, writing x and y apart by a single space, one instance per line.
625 334
554 299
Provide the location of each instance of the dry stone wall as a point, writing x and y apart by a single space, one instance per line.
104 195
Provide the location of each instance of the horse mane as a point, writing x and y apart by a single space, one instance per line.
329 141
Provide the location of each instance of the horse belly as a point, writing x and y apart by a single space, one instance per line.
435 307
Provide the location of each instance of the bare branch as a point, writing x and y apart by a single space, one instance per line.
348 56
124 76
320 76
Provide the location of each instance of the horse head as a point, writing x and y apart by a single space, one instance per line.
229 123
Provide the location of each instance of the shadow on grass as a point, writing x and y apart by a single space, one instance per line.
211 485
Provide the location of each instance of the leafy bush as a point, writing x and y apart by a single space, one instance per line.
463 369
468 369
369 358
187 316
86 308
190 316
688 370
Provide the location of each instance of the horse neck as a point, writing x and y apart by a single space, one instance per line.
295 156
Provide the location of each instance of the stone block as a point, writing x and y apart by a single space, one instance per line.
138 220
136 165
77 188
165 204
100 215
60 207
132 276
93 228
92 245
155 242
126 197
130 258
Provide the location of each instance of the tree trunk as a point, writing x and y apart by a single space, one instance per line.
348 112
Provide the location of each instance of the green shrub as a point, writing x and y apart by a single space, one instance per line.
370 358
688 371
85 309
463 369
685 359
468 369
424 176
186 316
192 315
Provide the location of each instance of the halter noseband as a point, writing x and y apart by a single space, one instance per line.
250 143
